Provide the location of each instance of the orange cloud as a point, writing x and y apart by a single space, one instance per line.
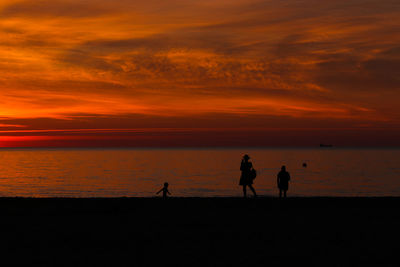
175 64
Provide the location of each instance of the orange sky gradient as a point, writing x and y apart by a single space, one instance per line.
199 73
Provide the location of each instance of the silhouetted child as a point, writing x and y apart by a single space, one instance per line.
164 190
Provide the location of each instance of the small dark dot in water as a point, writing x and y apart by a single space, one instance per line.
305 165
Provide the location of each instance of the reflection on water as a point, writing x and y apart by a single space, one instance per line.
195 172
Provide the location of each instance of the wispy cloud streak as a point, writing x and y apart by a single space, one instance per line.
179 61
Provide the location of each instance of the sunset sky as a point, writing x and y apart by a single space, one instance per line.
199 73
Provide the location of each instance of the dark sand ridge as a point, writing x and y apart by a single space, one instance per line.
200 232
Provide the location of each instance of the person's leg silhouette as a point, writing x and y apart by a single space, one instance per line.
252 190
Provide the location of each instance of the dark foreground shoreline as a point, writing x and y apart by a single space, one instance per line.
200 231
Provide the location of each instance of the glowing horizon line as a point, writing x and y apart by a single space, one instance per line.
178 129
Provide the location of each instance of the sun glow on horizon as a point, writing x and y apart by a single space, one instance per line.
199 65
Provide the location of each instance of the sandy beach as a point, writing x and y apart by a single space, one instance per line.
200 231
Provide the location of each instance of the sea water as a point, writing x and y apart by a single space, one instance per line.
196 172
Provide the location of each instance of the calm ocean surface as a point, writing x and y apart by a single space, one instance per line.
196 172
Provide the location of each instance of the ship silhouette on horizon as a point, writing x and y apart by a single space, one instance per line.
325 145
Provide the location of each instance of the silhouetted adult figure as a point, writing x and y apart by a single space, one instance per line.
246 179
283 181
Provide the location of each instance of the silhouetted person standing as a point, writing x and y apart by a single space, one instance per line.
165 191
283 181
246 179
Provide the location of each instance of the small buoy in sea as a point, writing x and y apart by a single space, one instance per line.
305 165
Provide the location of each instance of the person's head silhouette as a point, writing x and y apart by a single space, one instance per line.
246 157
165 184
283 168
